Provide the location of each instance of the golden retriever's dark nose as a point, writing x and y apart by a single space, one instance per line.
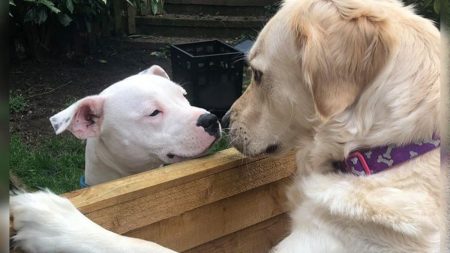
210 123
226 120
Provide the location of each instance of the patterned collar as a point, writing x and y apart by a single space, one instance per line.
370 161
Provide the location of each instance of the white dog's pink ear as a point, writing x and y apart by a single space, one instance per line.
83 118
155 70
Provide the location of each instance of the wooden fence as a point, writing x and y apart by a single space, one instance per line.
220 203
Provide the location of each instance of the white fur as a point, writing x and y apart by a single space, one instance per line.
48 223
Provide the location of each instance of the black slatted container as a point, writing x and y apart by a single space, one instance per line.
210 71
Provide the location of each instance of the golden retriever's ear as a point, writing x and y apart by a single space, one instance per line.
343 53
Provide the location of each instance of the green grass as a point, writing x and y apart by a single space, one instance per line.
222 144
55 163
17 102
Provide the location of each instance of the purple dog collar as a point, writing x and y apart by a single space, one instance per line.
370 161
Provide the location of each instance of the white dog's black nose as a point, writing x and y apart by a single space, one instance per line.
210 123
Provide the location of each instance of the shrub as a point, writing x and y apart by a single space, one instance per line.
427 8
17 102
58 25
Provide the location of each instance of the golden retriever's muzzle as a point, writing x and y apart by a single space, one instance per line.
236 137
239 137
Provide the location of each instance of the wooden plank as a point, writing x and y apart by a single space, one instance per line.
259 238
132 187
117 9
131 19
218 219
127 215
143 184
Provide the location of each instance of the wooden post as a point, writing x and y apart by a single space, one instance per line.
131 18
145 8
119 16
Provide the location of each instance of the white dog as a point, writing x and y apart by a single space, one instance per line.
337 80
137 124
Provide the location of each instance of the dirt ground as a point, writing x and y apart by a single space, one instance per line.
52 84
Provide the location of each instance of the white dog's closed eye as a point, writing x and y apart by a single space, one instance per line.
155 113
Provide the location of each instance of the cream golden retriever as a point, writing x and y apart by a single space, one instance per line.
329 77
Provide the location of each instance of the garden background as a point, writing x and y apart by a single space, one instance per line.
63 50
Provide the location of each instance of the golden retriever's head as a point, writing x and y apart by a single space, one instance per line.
310 62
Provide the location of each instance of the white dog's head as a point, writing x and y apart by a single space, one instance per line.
143 117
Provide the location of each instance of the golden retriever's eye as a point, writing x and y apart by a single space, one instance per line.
257 75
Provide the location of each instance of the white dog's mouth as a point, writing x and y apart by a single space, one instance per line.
173 157
177 158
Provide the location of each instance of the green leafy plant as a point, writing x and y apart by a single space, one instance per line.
157 6
43 25
11 4
64 10
221 144
427 8
40 10
17 102
436 5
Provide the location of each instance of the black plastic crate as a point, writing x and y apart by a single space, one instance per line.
210 71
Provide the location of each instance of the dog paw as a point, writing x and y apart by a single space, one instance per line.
45 222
